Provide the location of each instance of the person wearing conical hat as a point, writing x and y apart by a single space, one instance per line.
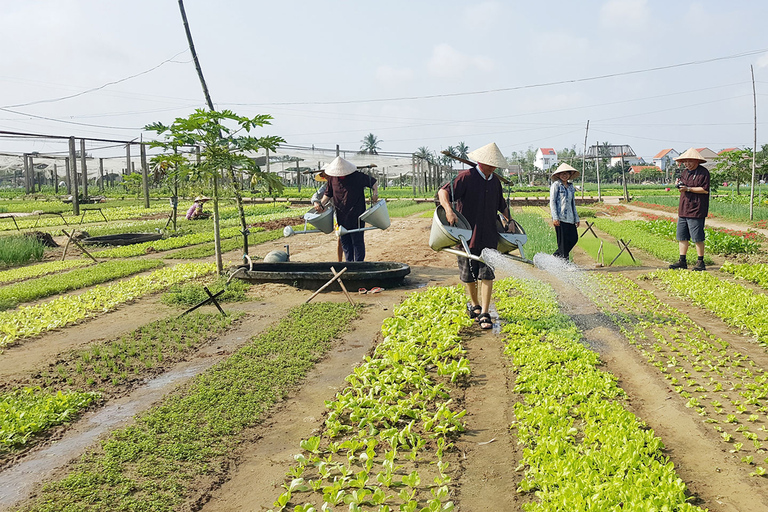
346 188
196 210
478 196
562 204
693 207
322 178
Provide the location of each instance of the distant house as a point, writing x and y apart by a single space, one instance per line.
708 154
630 159
545 159
726 150
637 169
665 158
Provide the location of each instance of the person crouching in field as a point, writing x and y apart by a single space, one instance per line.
562 203
693 207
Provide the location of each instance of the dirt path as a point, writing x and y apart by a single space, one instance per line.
485 476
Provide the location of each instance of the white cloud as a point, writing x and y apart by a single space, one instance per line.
389 75
482 15
625 14
448 62
762 62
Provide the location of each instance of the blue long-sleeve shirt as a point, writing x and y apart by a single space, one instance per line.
562 202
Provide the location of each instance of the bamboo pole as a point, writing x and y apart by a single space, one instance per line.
754 149
73 178
583 160
84 168
144 174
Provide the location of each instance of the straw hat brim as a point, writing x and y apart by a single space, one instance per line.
691 154
202 199
320 178
339 167
564 168
490 154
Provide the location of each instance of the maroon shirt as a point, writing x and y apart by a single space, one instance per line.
348 194
478 200
694 205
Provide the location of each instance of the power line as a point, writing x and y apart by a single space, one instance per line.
519 87
53 100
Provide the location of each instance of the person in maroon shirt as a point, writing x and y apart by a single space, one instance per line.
346 187
693 207
478 196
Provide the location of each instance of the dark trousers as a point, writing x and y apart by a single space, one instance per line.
353 246
567 236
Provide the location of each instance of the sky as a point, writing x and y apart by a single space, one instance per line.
650 74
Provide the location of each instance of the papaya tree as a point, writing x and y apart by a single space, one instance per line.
224 139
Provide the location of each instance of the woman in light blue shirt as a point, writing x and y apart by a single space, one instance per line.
562 203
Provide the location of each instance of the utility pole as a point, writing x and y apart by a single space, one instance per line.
144 174
754 149
584 159
84 169
73 178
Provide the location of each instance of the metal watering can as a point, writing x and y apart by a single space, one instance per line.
377 215
443 236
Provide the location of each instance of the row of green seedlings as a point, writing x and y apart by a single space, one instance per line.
158 462
39 288
722 385
755 273
656 245
112 214
735 304
228 219
28 321
229 244
583 449
57 394
176 242
40 269
722 207
407 208
718 240
386 434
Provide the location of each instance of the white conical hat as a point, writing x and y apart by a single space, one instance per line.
691 154
564 168
490 154
339 167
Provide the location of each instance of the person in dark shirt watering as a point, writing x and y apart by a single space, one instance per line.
346 187
693 207
478 196
562 203
321 177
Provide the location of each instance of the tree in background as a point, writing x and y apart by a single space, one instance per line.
370 145
462 150
734 167
219 135
425 154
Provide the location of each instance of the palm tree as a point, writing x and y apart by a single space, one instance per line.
462 150
424 153
370 144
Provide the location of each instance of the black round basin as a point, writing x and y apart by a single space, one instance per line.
311 276
123 238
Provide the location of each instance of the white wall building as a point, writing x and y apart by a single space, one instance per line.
546 158
665 158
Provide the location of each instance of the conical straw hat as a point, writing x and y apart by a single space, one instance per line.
320 177
691 154
490 154
339 167
564 168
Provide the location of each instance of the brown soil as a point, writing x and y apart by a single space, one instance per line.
487 454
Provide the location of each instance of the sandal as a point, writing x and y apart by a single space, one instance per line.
485 321
474 311
376 289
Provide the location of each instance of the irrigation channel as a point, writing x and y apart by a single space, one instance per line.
486 454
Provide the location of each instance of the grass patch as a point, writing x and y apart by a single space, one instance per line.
231 244
191 294
591 245
153 464
20 249
404 208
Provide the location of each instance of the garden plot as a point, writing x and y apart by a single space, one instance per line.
694 456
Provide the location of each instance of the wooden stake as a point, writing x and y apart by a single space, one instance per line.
326 285
77 244
343 288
